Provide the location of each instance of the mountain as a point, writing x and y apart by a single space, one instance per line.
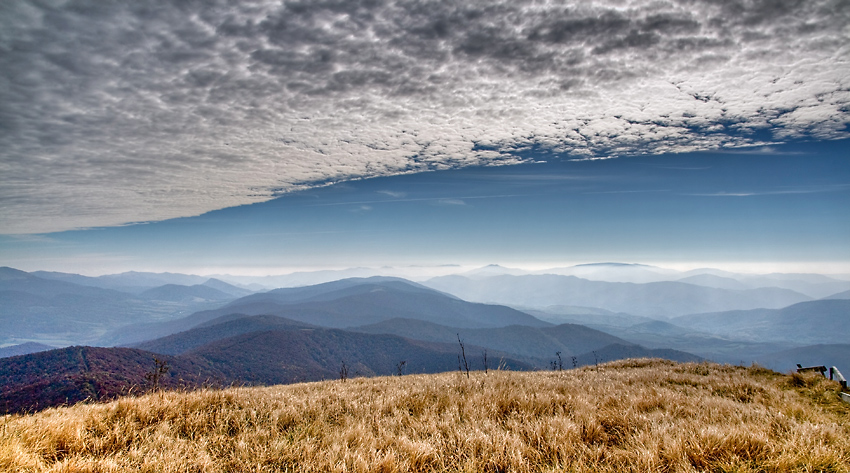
228 289
815 286
533 342
658 334
806 323
617 351
492 270
178 293
60 312
828 355
287 356
560 314
130 282
218 329
840 295
20 281
656 300
151 280
336 289
342 304
301 278
24 349
64 318
614 272
719 282
71 278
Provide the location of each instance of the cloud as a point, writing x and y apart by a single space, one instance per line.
451 202
786 191
394 194
141 111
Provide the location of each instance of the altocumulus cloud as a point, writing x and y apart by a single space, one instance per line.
113 112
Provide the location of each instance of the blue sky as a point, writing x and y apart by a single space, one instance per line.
759 208
678 132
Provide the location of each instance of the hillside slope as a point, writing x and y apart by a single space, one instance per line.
269 352
218 329
632 416
67 375
526 341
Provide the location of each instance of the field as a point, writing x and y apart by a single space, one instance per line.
634 415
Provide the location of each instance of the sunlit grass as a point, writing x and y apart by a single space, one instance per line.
637 415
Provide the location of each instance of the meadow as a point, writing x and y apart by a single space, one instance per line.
633 415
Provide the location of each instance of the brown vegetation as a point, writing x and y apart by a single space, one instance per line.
636 415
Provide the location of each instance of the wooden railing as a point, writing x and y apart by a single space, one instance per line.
834 375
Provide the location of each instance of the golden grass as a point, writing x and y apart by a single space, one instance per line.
635 415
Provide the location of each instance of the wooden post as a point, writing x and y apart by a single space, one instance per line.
836 375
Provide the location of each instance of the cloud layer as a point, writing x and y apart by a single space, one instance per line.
115 112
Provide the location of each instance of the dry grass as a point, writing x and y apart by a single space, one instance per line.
637 415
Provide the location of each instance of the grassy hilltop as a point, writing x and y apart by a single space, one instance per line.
634 415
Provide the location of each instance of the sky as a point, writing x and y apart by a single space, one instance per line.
263 137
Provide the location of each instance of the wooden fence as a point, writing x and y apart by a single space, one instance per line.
834 375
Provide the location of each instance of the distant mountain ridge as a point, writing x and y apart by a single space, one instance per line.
56 311
656 299
837 354
806 323
178 293
24 349
840 295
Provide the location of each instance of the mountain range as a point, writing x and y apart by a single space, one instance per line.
812 322
58 310
212 332
658 300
